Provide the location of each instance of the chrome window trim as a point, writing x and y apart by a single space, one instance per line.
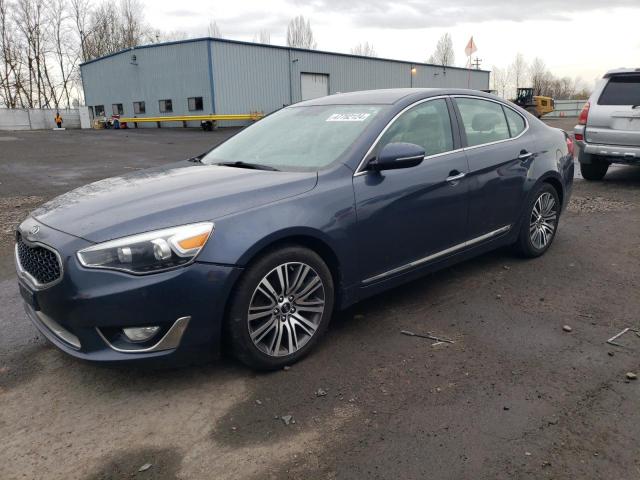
437 255
526 129
360 171
24 275
169 341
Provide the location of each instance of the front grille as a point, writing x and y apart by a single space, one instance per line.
39 262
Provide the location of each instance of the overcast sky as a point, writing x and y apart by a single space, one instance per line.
577 38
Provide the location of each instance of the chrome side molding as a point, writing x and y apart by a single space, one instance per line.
437 255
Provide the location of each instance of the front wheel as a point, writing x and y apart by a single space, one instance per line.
540 223
280 308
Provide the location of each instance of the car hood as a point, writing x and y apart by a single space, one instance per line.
163 197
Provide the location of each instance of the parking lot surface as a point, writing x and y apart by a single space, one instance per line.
515 396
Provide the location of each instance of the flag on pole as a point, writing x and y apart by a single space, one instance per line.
471 48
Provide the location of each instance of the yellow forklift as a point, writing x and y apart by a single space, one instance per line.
534 104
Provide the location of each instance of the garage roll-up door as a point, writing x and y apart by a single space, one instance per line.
314 85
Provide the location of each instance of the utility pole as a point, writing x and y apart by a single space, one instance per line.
476 63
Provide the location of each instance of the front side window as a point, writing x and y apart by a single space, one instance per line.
298 138
139 107
483 121
427 124
515 121
621 90
165 106
195 104
117 109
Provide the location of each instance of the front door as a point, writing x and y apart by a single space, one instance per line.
409 215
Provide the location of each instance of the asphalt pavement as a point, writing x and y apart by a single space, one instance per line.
516 396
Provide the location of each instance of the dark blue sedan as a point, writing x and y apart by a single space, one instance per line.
258 242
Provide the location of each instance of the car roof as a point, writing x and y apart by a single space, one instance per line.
387 96
620 71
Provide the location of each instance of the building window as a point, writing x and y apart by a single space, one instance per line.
165 106
117 109
99 110
139 107
195 103
90 111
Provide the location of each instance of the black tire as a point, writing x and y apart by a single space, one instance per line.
237 321
594 171
525 244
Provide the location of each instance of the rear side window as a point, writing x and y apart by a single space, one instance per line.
621 90
483 121
515 121
427 124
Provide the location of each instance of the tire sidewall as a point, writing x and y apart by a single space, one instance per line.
525 244
237 323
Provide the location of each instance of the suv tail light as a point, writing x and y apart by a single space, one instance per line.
570 146
584 114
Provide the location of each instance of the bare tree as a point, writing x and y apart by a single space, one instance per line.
299 33
263 36
213 30
132 26
444 54
500 80
518 71
365 49
541 78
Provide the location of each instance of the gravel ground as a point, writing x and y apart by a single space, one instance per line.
515 396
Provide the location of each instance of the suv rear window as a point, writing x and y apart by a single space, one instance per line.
621 90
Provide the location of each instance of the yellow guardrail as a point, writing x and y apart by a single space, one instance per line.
192 118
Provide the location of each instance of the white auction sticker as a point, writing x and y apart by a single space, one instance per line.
348 117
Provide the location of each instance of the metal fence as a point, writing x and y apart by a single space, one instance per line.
37 118
567 108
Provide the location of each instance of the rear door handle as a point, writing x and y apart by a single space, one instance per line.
454 176
524 155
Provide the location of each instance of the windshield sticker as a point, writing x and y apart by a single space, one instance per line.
348 117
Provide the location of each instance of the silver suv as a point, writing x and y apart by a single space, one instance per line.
608 129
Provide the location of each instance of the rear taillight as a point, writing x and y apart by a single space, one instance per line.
570 146
584 114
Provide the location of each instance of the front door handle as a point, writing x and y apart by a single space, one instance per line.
524 155
454 176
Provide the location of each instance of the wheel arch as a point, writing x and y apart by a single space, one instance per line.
303 237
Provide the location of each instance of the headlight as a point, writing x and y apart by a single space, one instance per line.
149 252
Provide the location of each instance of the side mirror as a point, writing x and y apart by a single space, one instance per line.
397 155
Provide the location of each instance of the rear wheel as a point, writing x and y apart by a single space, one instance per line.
280 308
594 171
540 223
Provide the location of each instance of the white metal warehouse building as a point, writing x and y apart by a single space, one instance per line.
211 75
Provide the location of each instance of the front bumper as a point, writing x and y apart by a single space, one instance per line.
82 313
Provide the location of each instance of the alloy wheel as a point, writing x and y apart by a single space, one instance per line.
544 218
286 309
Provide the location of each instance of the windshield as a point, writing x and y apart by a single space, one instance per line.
297 138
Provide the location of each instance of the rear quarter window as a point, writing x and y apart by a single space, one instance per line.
621 90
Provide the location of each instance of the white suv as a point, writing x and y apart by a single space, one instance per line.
608 129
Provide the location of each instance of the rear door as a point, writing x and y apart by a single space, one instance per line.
500 150
615 119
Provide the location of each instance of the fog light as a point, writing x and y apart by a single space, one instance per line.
140 334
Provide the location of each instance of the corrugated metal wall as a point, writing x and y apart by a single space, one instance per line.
172 71
246 77
249 78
